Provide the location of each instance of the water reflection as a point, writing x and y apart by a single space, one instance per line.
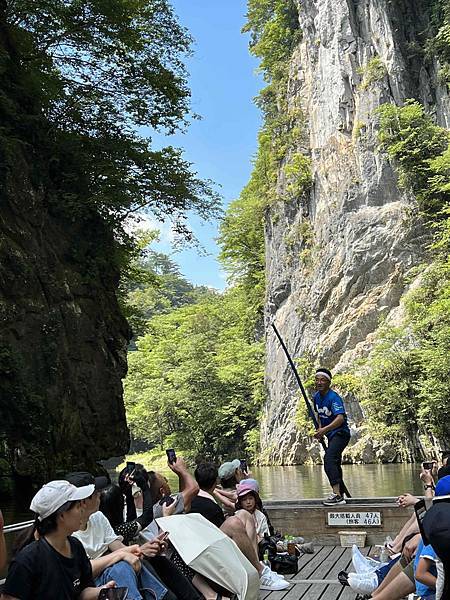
361 480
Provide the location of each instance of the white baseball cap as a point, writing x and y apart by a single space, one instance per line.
55 494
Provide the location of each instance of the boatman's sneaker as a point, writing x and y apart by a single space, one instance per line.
333 500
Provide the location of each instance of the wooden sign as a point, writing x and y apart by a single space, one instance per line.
354 519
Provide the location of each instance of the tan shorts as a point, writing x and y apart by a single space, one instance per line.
408 569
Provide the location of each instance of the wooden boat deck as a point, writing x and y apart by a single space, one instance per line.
316 578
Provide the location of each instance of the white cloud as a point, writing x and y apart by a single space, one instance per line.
148 223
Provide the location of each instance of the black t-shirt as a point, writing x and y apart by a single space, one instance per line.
39 572
209 509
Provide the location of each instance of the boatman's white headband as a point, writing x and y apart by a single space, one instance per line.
323 374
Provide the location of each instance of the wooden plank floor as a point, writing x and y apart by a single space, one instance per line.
324 564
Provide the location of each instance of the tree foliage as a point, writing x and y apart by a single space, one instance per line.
407 370
196 378
157 287
88 74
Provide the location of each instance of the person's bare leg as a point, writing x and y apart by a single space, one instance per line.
398 588
411 526
235 529
396 569
200 583
249 524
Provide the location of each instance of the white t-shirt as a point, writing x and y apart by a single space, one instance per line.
261 524
97 536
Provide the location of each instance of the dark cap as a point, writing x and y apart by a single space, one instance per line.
81 478
436 526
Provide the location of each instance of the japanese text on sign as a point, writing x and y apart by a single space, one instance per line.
352 519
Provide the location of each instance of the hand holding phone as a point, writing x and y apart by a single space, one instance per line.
117 593
167 500
171 456
244 467
428 465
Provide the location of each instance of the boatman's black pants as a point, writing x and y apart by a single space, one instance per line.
333 456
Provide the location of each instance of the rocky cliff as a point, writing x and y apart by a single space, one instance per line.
62 336
337 256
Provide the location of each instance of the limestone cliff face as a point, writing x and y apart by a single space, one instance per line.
62 336
364 234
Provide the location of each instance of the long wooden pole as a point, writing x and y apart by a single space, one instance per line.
311 412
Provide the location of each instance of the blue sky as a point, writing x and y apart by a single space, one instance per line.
221 145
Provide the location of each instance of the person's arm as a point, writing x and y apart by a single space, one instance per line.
147 508
229 504
335 423
428 483
423 572
230 494
410 547
188 486
2 542
130 505
118 552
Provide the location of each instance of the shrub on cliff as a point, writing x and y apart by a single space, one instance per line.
407 371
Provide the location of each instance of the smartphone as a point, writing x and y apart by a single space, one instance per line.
167 500
244 467
118 593
171 456
428 466
164 536
131 466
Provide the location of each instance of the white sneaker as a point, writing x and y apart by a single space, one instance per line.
271 581
363 583
363 564
267 570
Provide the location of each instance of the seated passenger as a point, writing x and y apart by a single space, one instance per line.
230 474
53 564
401 583
112 506
240 529
249 500
110 558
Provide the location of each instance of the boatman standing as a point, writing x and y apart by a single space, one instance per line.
333 424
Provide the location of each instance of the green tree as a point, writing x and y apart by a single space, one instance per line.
96 71
196 378
156 286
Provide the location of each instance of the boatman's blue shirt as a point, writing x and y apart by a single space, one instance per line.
328 408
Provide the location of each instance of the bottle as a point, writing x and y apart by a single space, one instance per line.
291 545
266 560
